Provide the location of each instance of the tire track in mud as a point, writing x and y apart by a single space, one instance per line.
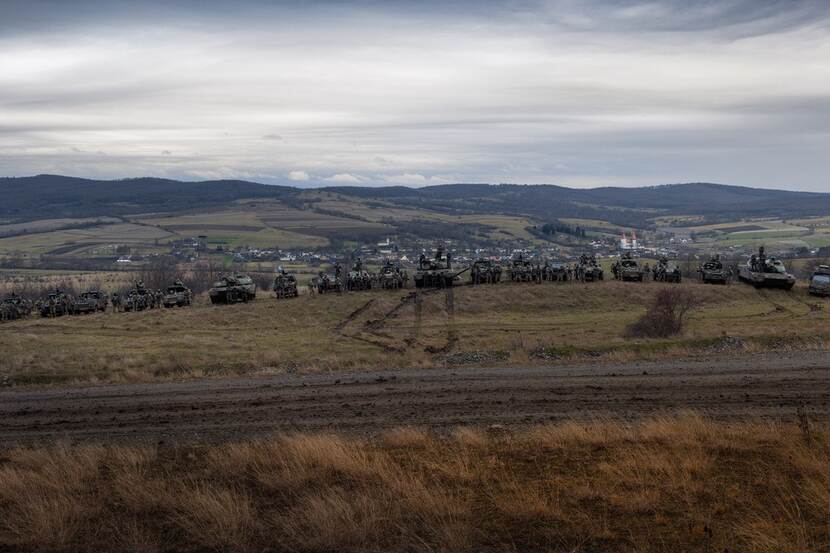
768 385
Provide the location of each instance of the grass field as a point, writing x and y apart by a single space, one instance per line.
678 483
519 324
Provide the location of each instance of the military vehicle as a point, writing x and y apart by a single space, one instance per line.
233 288
392 276
485 271
14 307
285 285
588 270
820 281
556 271
713 271
177 295
56 304
626 269
325 283
666 271
521 270
765 272
436 272
358 278
138 298
90 301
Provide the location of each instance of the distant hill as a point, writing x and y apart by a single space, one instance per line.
54 196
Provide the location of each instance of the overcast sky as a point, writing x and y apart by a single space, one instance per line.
573 92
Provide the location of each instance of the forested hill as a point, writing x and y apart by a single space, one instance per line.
53 196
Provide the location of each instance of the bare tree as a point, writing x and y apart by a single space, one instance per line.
666 316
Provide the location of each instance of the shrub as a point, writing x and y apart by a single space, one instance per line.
666 316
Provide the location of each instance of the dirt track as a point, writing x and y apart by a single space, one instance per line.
215 410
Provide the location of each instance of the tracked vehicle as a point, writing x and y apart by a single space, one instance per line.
766 272
436 272
234 288
713 271
820 281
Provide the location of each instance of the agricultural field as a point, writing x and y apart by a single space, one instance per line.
73 241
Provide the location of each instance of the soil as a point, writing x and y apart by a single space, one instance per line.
772 386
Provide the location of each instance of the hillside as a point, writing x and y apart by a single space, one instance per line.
53 196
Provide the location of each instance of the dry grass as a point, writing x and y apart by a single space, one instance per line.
680 483
518 324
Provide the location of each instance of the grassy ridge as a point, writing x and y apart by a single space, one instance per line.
515 324
669 484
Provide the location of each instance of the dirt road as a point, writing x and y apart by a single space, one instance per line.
215 410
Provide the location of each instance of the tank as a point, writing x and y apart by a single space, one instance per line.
14 307
285 285
588 270
234 288
56 304
666 271
820 281
392 276
627 269
485 271
713 271
436 272
177 295
765 272
90 301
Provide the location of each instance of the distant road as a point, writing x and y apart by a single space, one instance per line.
765 385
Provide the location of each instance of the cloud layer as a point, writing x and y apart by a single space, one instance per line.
580 93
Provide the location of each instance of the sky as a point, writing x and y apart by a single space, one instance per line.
578 93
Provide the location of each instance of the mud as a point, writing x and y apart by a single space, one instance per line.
729 387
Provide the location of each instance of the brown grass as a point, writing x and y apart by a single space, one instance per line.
518 324
680 483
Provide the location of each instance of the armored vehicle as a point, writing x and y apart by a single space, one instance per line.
56 304
521 270
358 278
177 295
556 271
138 298
392 276
626 268
820 281
325 283
666 271
285 285
14 307
91 301
713 271
234 288
485 271
436 272
765 272
588 270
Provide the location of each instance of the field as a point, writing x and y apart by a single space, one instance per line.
679 483
507 323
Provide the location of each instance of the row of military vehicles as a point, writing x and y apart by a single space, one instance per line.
760 270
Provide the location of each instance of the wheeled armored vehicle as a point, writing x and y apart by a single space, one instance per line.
627 269
90 301
177 295
392 276
56 304
588 270
485 271
285 285
666 271
14 307
325 283
820 281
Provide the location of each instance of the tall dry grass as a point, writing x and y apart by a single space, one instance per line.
680 483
